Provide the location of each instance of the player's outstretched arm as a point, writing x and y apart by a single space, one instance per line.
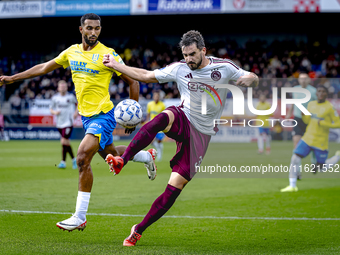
138 74
133 86
250 80
35 71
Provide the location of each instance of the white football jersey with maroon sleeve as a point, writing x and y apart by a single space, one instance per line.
192 84
67 106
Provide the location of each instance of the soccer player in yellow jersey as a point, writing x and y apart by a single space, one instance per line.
91 78
154 108
323 117
264 131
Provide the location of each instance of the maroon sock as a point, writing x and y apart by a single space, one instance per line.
64 152
69 150
161 205
145 136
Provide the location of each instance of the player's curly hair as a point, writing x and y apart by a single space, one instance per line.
191 37
91 16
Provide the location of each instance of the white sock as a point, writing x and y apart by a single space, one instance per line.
260 142
292 182
82 205
142 156
294 170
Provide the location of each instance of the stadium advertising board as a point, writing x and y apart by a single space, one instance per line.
269 6
78 8
184 6
62 8
39 133
257 5
20 9
330 5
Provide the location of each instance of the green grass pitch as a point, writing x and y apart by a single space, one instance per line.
266 221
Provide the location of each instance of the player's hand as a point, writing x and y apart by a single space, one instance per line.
129 130
109 60
5 80
55 112
250 80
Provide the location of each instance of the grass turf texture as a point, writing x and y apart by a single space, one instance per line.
30 181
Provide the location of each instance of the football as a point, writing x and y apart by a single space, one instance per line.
128 113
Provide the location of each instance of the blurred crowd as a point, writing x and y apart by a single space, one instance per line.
278 63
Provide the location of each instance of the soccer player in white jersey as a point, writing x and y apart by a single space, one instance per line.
195 75
64 107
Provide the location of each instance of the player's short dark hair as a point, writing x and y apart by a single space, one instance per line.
191 37
91 16
322 86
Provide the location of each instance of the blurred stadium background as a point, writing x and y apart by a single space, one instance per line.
277 39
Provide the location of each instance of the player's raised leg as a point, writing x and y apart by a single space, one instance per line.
87 149
191 148
147 157
143 138
333 160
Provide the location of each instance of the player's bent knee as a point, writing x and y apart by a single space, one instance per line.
178 181
171 120
296 159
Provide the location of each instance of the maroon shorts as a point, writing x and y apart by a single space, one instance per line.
65 132
191 144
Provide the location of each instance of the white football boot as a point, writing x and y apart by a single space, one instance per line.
72 223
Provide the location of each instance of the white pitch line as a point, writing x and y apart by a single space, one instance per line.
181 217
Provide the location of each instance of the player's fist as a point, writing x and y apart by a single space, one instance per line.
5 80
250 80
109 60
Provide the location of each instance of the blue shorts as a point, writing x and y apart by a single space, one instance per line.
102 126
264 130
160 136
303 149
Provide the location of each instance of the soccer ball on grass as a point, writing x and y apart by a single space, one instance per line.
128 113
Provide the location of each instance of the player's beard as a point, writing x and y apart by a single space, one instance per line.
194 66
88 42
